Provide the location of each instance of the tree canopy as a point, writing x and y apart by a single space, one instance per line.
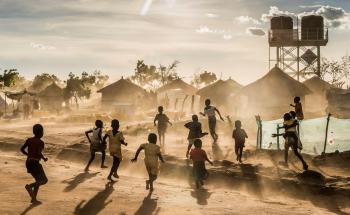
204 78
9 77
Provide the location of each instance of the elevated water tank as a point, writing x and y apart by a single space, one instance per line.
312 28
281 29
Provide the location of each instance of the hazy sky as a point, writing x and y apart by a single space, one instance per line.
223 36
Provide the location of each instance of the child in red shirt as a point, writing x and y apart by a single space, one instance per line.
199 156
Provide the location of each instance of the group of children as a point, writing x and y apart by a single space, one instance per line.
34 146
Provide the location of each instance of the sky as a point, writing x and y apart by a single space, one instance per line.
227 37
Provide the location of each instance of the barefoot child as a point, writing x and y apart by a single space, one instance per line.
162 125
116 139
210 112
298 108
199 156
239 135
34 154
195 132
96 144
291 139
152 157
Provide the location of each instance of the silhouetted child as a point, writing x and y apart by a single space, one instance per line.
295 128
162 124
34 154
195 132
298 108
152 157
239 135
116 139
96 144
291 139
199 156
210 112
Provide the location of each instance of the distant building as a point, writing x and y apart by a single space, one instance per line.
220 93
270 96
124 93
51 98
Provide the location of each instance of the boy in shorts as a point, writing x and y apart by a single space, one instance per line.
162 124
195 132
96 144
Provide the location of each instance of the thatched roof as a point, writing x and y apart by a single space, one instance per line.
178 84
317 85
220 87
18 95
122 85
274 83
53 90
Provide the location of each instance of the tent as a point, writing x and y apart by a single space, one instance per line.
317 102
271 95
125 92
220 93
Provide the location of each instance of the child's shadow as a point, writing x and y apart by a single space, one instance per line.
148 206
97 203
202 196
30 207
78 179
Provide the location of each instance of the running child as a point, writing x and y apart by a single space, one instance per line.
199 156
210 112
298 108
162 124
195 132
96 144
239 135
116 139
291 139
152 157
35 146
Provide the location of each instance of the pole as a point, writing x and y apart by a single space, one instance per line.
298 69
278 138
326 136
318 61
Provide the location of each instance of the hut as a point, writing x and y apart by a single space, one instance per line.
123 94
270 96
26 102
178 95
339 102
51 98
220 93
317 102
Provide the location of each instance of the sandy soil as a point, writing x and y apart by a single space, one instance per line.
260 186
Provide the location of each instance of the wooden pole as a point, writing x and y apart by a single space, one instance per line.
278 138
326 136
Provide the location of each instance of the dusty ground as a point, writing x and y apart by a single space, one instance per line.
261 186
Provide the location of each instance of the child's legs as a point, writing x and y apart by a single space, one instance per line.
295 150
115 166
212 127
40 179
240 152
190 144
92 157
236 149
103 158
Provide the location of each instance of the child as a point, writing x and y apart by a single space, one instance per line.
298 108
291 139
199 156
195 132
210 112
116 139
295 127
162 125
34 154
239 135
96 144
152 154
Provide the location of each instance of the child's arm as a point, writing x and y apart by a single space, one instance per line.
277 135
155 120
292 105
207 159
43 157
161 157
295 123
201 113
187 125
219 114
87 135
124 143
23 148
105 138
245 133
137 154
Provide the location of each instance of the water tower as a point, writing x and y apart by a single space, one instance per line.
297 49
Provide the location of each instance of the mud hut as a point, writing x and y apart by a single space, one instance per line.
270 96
26 101
338 102
51 98
317 102
124 94
220 93
178 96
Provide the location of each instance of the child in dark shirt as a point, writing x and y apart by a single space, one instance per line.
199 156
298 108
96 144
162 124
35 146
195 132
239 135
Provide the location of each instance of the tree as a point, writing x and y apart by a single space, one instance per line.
168 73
43 80
101 79
205 78
145 75
9 78
78 87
